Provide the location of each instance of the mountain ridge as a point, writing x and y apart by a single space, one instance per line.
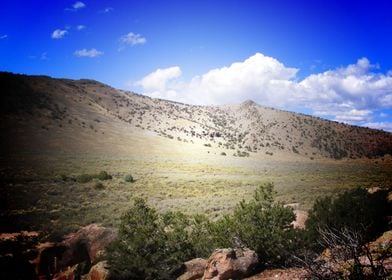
52 108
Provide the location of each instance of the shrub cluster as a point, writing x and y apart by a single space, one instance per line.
151 245
85 178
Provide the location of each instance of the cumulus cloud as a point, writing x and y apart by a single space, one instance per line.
58 34
132 39
158 81
80 27
351 94
88 53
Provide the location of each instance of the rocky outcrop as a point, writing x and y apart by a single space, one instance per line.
23 256
98 272
194 269
86 244
230 264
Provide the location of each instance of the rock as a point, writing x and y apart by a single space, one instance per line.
194 269
230 264
300 219
98 272
281 274
86 244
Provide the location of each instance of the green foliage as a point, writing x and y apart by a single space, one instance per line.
265 226
356 210
149 245
128 178
84 178
223 153
152 245
103 175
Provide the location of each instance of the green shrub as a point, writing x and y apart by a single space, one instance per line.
128 178
153 246
223 153
103 175
149 245
84 178
265 226
355 210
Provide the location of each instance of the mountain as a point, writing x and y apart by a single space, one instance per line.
45 115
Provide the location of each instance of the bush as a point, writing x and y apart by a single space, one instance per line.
103 175
356 210
265 226
149 245
153 246
223 154
128 178
84 178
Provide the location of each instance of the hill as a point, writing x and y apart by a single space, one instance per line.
42 114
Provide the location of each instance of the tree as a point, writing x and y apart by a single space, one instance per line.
265 226
149 245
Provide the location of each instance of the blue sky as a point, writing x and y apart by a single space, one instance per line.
327 58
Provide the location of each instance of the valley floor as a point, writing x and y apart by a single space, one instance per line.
37 192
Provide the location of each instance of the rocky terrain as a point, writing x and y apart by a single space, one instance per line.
41 113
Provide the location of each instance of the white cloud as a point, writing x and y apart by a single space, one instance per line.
88 53
80 27
58 34
132 39
3 36
349 94
354 88
387 126
157 81
78 5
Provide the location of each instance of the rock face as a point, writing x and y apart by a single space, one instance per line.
98 272
74 255
194 269
230 264
86 244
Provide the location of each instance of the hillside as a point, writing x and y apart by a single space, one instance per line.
42 114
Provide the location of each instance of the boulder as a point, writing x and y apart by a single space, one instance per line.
194 269
230 264
86 244
98 272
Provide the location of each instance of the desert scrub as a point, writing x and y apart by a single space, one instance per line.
84 178
103 175
128 178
